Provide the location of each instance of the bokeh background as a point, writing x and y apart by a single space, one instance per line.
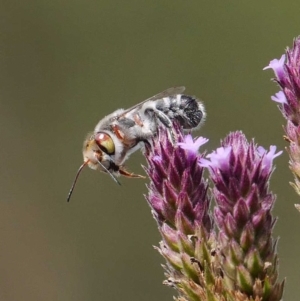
64 64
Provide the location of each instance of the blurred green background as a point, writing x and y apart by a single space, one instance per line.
66 64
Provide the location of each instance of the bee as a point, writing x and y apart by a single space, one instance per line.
124 131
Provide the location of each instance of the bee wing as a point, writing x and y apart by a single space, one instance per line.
166 93
169 92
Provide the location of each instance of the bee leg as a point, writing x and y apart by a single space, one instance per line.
172 136
166 121
125 173
118 132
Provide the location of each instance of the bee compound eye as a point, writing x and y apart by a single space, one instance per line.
105 143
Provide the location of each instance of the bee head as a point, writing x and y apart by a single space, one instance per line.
97 150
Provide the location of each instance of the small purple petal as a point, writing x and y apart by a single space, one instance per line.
192 145
278 67
268 157
204 163
279 97
271 154
274 64
273 150
261 150
218 158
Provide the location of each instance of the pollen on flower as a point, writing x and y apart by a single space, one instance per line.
192 145
157 158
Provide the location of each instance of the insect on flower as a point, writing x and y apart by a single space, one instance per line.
121 133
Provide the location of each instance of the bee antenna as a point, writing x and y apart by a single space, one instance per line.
111 175
75 180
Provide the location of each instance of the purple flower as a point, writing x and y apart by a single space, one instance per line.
175 175
241 171
288 77
277 66
192 145
179 203
279 97
218 158
241 262
268 157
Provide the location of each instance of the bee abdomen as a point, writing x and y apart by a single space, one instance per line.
188 110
